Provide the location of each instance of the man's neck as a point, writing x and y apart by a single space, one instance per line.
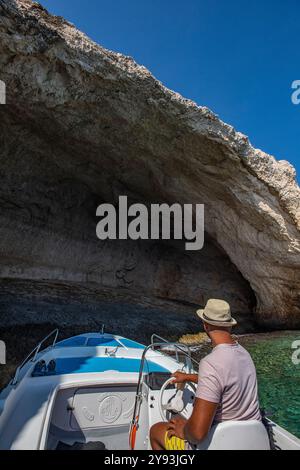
221 337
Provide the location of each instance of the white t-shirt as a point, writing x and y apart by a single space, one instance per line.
227 376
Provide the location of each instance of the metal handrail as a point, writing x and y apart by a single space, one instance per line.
138 397
158 337
186 350
35 351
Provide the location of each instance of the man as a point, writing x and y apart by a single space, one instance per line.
227 385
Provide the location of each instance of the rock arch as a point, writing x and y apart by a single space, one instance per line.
83 125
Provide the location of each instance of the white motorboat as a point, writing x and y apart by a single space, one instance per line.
106 391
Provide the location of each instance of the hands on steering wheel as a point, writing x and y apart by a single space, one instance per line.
180 377
176 403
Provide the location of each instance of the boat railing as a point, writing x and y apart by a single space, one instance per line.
160 338
183 348
179 348
33 354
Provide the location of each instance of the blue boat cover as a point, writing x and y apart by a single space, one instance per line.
84 365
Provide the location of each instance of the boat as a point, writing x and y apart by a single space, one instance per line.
104 391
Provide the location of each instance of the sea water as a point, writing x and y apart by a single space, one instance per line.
278 376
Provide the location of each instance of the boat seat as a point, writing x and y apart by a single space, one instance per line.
237 435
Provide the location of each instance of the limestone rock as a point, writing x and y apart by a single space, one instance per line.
83 125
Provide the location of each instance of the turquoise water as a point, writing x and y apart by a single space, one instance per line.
278 377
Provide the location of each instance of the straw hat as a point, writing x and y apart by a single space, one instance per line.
217 312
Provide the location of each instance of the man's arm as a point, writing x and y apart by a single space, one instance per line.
182 377
199 424
208 396
195 429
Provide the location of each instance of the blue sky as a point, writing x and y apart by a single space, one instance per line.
237 57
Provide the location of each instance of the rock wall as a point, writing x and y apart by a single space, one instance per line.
83 125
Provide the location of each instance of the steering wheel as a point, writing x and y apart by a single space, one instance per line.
176 403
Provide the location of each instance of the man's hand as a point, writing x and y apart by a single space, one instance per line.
181 377
176 427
